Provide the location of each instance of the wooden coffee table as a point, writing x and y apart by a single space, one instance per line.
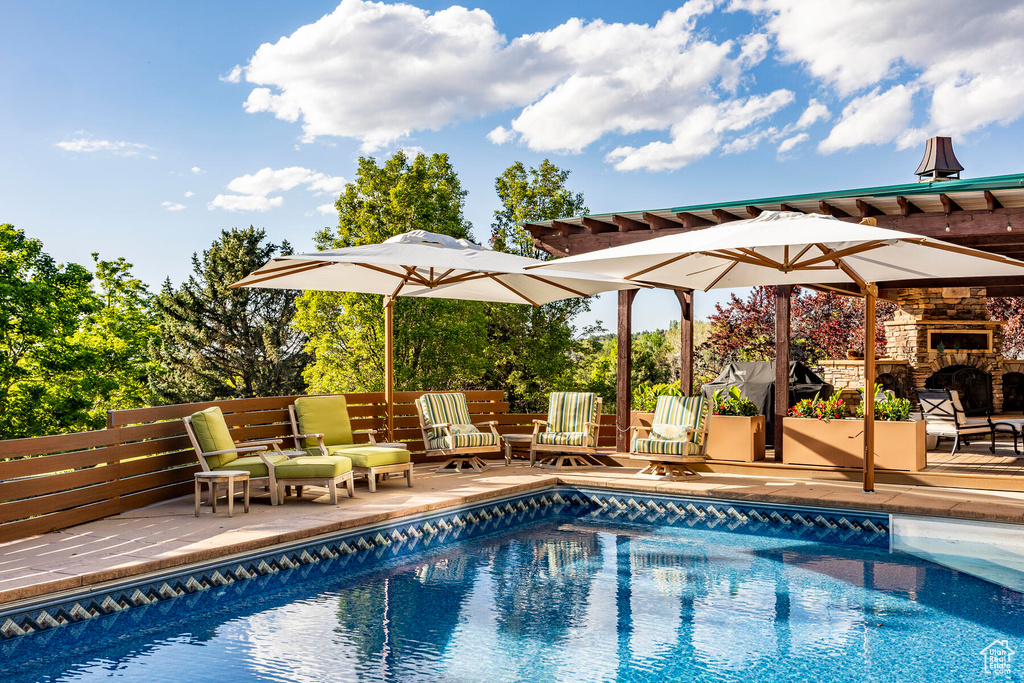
228 477
511 439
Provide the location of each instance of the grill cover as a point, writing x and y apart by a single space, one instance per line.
756 381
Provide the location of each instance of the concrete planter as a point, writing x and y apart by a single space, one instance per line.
736 438
840 443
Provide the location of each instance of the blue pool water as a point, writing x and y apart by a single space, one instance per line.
564 597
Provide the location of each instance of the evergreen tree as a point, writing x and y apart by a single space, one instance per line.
215 342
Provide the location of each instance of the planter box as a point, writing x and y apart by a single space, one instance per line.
736 438
840 443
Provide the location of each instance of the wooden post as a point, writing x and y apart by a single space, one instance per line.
870 292
624 370
685 297
782 306
389 366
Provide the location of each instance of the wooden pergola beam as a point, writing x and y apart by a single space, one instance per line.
830 210
789 207
867 210
660 222
692 220
907 207
626 224
564 229
992 202
949 205
624 369
596 227
754 211
685 297
783 294
723 216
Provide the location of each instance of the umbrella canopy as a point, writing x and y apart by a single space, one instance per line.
787 248
426 264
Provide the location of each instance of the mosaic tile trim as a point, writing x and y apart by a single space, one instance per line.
411 535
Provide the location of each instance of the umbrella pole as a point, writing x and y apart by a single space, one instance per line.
870 292
389 365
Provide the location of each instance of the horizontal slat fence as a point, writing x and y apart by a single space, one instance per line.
144 455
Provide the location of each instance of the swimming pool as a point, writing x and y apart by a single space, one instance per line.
564 585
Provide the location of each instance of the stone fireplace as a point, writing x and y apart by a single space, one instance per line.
942 338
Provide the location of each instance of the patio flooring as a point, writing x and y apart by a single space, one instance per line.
168 534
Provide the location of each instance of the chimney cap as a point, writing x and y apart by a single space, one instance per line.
939 162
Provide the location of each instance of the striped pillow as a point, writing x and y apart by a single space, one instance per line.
569 411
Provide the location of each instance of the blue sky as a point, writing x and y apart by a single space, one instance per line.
128 130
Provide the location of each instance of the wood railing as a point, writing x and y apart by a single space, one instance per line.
144 456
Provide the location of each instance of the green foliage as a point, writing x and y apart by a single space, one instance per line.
645 395
42 305
215 342
531 350
730 402
831 408
439 343
887 406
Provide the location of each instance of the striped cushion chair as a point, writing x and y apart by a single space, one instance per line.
448 430
569 437
677 435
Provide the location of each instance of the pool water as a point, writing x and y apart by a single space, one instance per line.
566 599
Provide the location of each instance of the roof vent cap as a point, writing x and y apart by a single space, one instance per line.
939 162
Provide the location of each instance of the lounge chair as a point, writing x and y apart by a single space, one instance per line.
321 426
211 439
569 436
449 431
677 435
942 410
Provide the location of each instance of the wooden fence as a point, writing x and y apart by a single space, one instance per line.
144 456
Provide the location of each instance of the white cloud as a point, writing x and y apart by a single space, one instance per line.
267 180
874 119
327 209
816 111
234 202
196 170
233 76
189 193
966 58
788 144
501 135
173 206
116 147
324 184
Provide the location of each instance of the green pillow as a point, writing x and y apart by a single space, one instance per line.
327 415
212 434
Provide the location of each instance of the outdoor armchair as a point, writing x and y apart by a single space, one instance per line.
677 435
216 450
569 435
942 410
449 431
321 426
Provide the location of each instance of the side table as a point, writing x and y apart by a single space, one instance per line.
511 439
229 477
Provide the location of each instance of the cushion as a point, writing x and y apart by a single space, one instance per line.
681 411
663 447
563 438
313 467
463 429
473 440
669 432
569 411
327 415
212 434
368 456
449 408
253 464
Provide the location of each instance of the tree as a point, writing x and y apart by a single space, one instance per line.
1010 309
530 349
439 343
41 306
214 342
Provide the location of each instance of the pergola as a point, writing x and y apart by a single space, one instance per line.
982 213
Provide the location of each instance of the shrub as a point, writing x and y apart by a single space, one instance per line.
888 407
831 408
732 403
645 395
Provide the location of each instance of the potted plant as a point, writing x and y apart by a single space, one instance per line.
816 433
735 430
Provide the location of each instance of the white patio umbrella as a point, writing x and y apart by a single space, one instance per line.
787 248
427 265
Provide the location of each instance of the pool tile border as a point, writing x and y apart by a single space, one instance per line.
432 529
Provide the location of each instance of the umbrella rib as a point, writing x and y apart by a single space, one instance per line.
555 284
512 289
843 265
732 256
831 255
721 275
658 265
760 257
414 275
935 244
300 269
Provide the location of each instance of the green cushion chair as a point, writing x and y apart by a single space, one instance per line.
216 450
449 431
569 435
677 435
321 426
